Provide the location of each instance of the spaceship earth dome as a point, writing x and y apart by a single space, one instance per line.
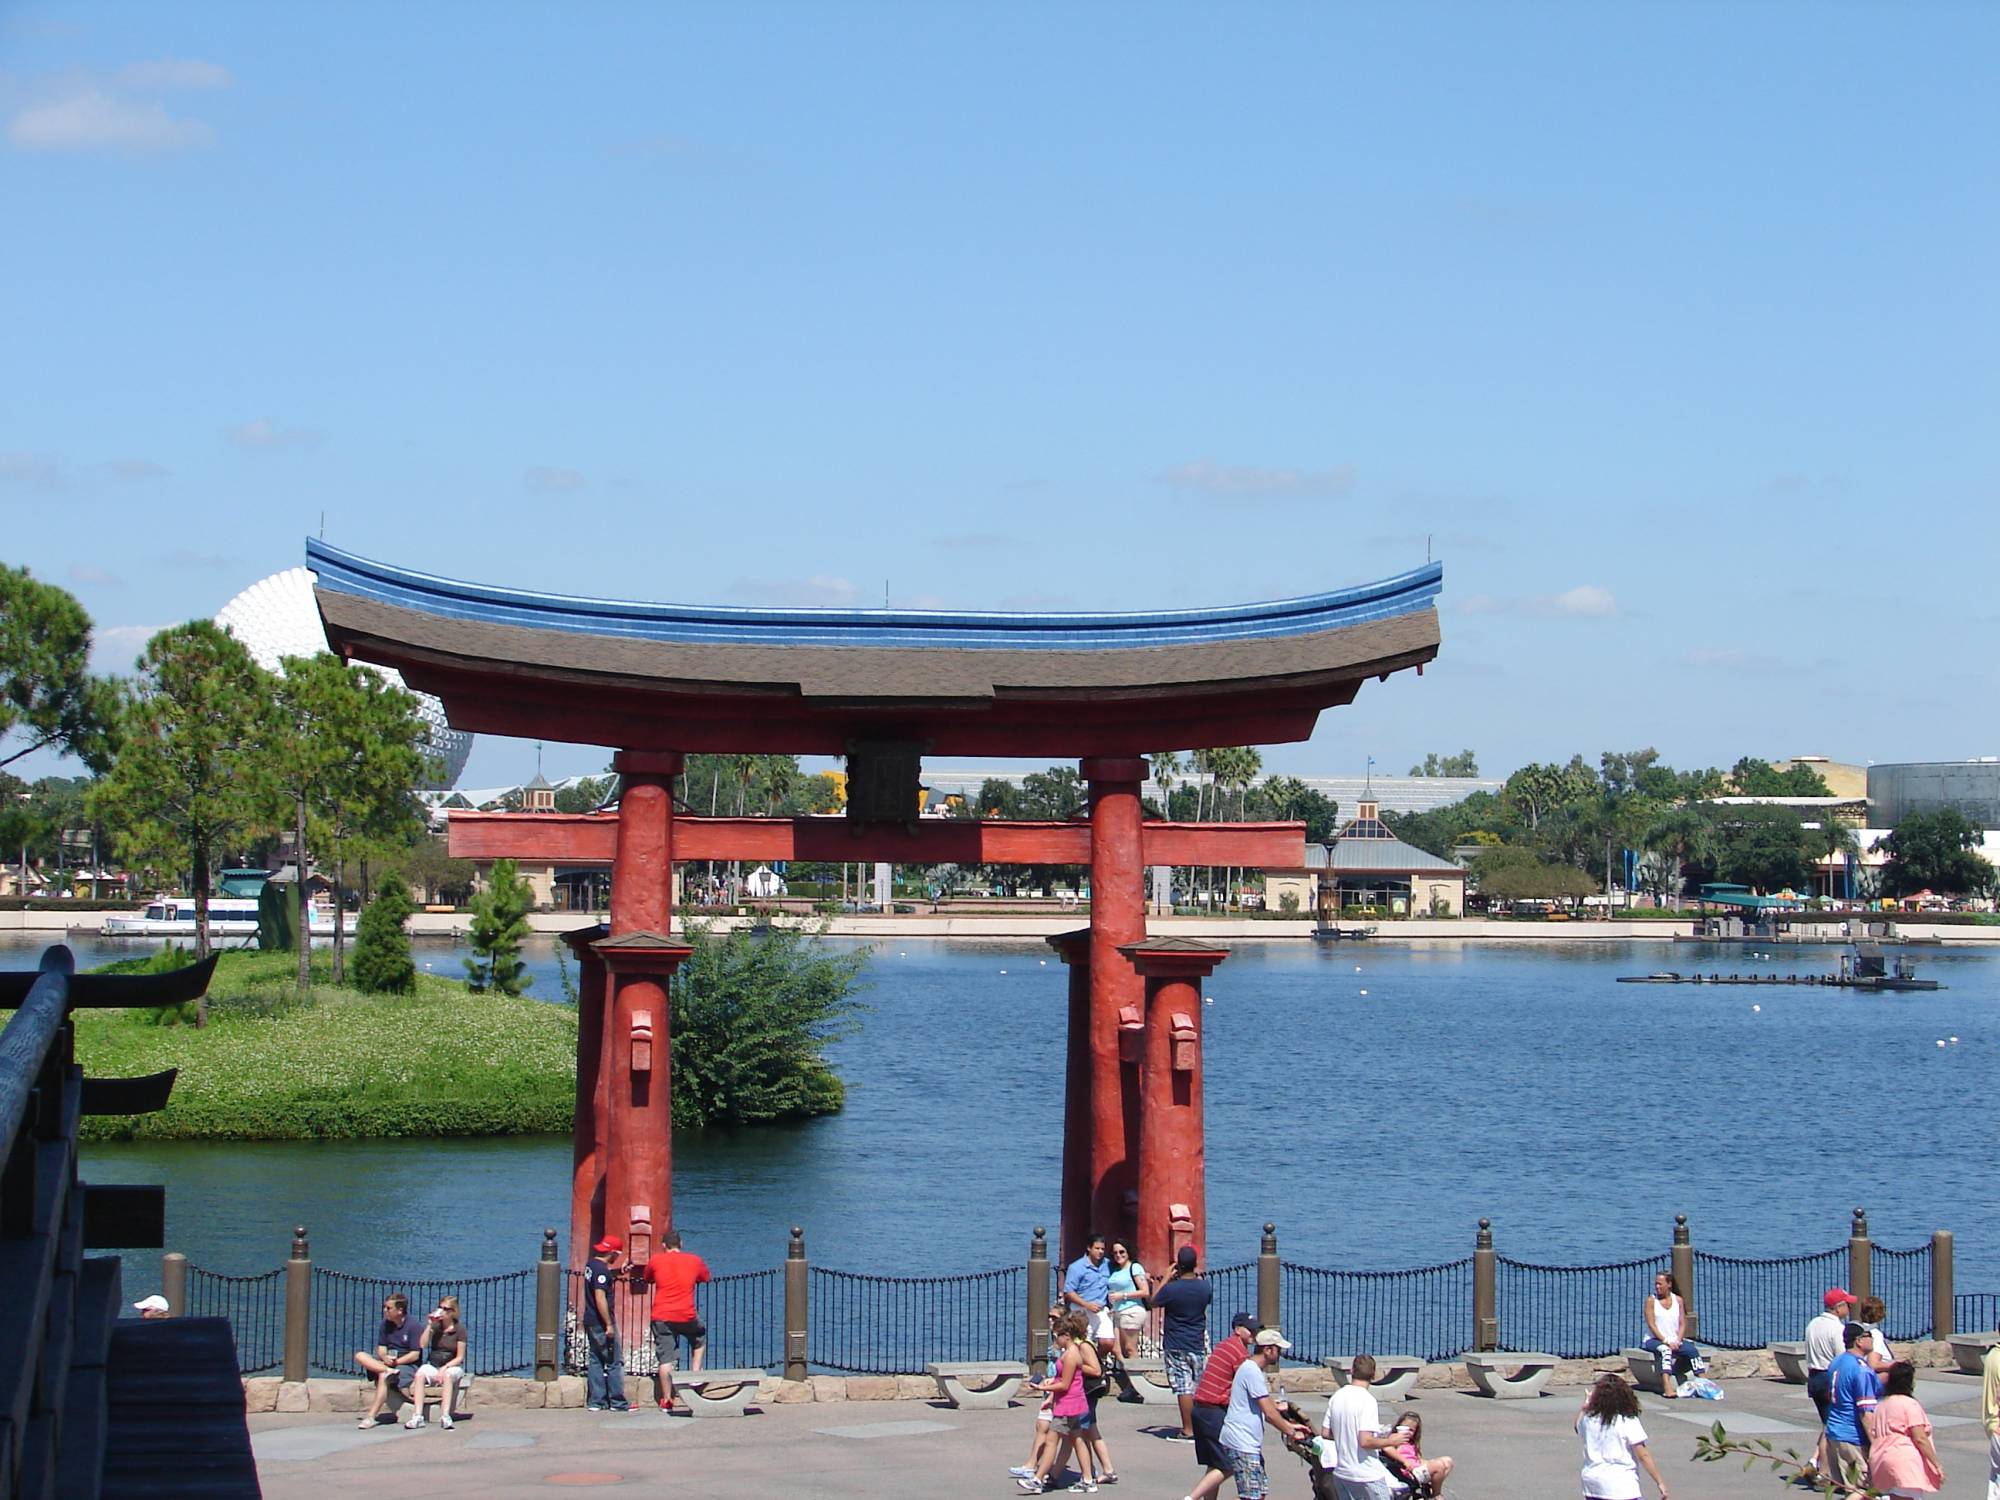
276 617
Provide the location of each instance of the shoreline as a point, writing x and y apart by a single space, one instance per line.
1218 929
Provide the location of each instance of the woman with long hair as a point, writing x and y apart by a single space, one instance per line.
1614 1444
1902 1458
1129 1290
1068 1408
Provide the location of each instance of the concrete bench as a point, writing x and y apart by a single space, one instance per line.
1969 1349
978 1385
1149 1379
1395 1374
1644 1370
1510 1377
716 1393
1791 1360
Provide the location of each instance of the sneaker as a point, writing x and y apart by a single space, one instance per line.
445 1421
1021 1471
1084 1487
593 1406
1181 1437
1031 1485
414 1421
625 1407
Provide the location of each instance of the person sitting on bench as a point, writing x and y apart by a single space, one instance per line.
398 1348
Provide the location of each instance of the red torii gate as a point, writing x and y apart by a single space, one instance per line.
883 688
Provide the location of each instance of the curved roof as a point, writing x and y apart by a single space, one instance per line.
713 677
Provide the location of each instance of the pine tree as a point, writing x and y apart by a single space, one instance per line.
499 926
382 962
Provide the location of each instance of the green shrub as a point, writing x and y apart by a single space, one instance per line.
382 962
499 926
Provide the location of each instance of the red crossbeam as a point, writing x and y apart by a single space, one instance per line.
592 839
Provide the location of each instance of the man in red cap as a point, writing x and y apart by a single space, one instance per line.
604 1367
1825 1339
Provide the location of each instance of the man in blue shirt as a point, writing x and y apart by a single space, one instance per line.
1183 1303
1087 1287
1852 1391
604 1366
398 1351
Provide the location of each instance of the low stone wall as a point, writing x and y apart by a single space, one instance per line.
267 1393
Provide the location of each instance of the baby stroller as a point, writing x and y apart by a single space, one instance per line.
1404 1485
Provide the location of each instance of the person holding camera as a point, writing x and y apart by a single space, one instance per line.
604 1366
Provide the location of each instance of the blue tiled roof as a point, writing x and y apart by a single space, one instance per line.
680 624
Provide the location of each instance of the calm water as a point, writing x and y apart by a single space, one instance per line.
1376 1128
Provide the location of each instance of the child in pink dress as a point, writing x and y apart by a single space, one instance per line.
1902 1459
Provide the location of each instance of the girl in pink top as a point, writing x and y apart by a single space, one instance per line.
1065 1384
1411 1452
1902 1460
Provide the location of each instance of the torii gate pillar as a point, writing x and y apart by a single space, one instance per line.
1173 1177
1073 948
1117 918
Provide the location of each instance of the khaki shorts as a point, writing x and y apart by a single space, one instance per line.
1849 1462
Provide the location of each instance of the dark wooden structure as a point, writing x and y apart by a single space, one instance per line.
90 1407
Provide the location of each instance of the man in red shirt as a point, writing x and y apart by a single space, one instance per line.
1211 1403
674 1273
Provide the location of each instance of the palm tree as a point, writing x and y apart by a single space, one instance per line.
1836 841
1235 768
1686 836
1166 771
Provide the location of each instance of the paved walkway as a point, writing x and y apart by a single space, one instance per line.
1507 1450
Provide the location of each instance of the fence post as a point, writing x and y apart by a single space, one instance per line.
548 1311
1683 1268
174 1281
1267 1278
298 1307
1038 1303
1860 1257
795 1306
1485 1279
1944 1310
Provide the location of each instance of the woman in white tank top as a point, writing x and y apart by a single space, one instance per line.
1666 1320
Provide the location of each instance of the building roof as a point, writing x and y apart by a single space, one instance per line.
1377 856
702 677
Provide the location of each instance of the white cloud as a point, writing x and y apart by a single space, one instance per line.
175 73
265 434
87 118
32 471
136 468
820 589
1585 601
553 481
1253 482
116 648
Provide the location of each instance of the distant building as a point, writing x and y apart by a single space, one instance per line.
1367 865
1971 787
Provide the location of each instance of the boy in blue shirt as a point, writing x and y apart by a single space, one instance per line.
1852 1391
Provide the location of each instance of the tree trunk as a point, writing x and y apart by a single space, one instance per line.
201 922
303 934
339 915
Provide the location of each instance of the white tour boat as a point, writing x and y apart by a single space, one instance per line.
228 916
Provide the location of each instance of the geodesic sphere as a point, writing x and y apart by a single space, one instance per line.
276 617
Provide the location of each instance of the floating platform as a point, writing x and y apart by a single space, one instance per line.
1891 983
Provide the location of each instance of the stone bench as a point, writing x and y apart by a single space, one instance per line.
1969 1349
1149 1379
698 1389
1395 1374
1643 1369
1791 1361
1529 1373
978 1385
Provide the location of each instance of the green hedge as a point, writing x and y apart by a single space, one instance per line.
273 1066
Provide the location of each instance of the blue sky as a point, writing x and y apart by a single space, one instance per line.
1674 328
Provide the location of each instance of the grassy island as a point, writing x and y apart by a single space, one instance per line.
274 1065
752 1016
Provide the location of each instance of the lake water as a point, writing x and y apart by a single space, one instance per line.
1375 1101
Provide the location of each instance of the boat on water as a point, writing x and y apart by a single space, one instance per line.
1334 933
228 916
1864 967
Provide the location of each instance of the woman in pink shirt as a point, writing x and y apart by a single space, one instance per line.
1902 1460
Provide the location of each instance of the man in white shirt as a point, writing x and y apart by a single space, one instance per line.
1250 1406
1825 1341
1354 1425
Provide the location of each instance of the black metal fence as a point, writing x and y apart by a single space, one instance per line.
1425 1312
1902 1279
1746 1304
1577 1312
890 1325
849 1322
255 1307
498 1313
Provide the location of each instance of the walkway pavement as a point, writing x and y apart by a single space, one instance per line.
1506 1450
